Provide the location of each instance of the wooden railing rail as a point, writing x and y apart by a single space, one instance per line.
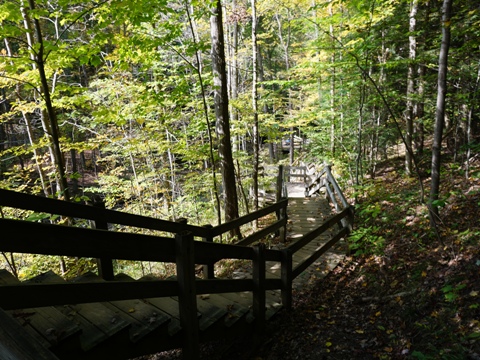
76 210
226 227
101 217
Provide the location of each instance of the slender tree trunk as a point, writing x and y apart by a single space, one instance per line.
358 162
50 121
31 136
198 70
285 41
419 107
410 85
332 82
222 114
469 126
440 110
234 72
255 135
419 111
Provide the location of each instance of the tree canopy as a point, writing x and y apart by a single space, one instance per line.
117 97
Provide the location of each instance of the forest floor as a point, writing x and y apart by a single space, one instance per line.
405 291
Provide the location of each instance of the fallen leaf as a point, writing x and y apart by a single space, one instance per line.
474 293
328 344
359 331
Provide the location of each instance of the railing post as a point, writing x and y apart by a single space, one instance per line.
259 302
187 300
278 194
208 269
283 230
104 264
287 279
281 213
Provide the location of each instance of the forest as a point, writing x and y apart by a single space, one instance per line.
174 108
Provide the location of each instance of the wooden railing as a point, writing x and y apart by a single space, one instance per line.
20 236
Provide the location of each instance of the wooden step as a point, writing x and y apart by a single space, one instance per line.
144 319
101 327
47 325
235 311
273 302
211 318
17 344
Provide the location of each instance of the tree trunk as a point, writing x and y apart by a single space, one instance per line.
410 86
285 41
255 135
221 113
440 111
31 136
198 70
332 83
50 123
468 132
419 107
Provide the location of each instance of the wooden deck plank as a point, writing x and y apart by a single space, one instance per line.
16 344
47 325
98 323
234 310
143 317
208 314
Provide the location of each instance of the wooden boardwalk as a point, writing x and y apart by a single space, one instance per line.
304 214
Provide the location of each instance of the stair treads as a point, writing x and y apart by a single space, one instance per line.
211 314
208 313
46 324
170 307
241 299
98 323
15 343
234 310
142 317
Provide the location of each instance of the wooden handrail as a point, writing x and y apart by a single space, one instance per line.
104 216
76 210
226 227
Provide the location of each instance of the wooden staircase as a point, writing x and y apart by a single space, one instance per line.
128 328
116 317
